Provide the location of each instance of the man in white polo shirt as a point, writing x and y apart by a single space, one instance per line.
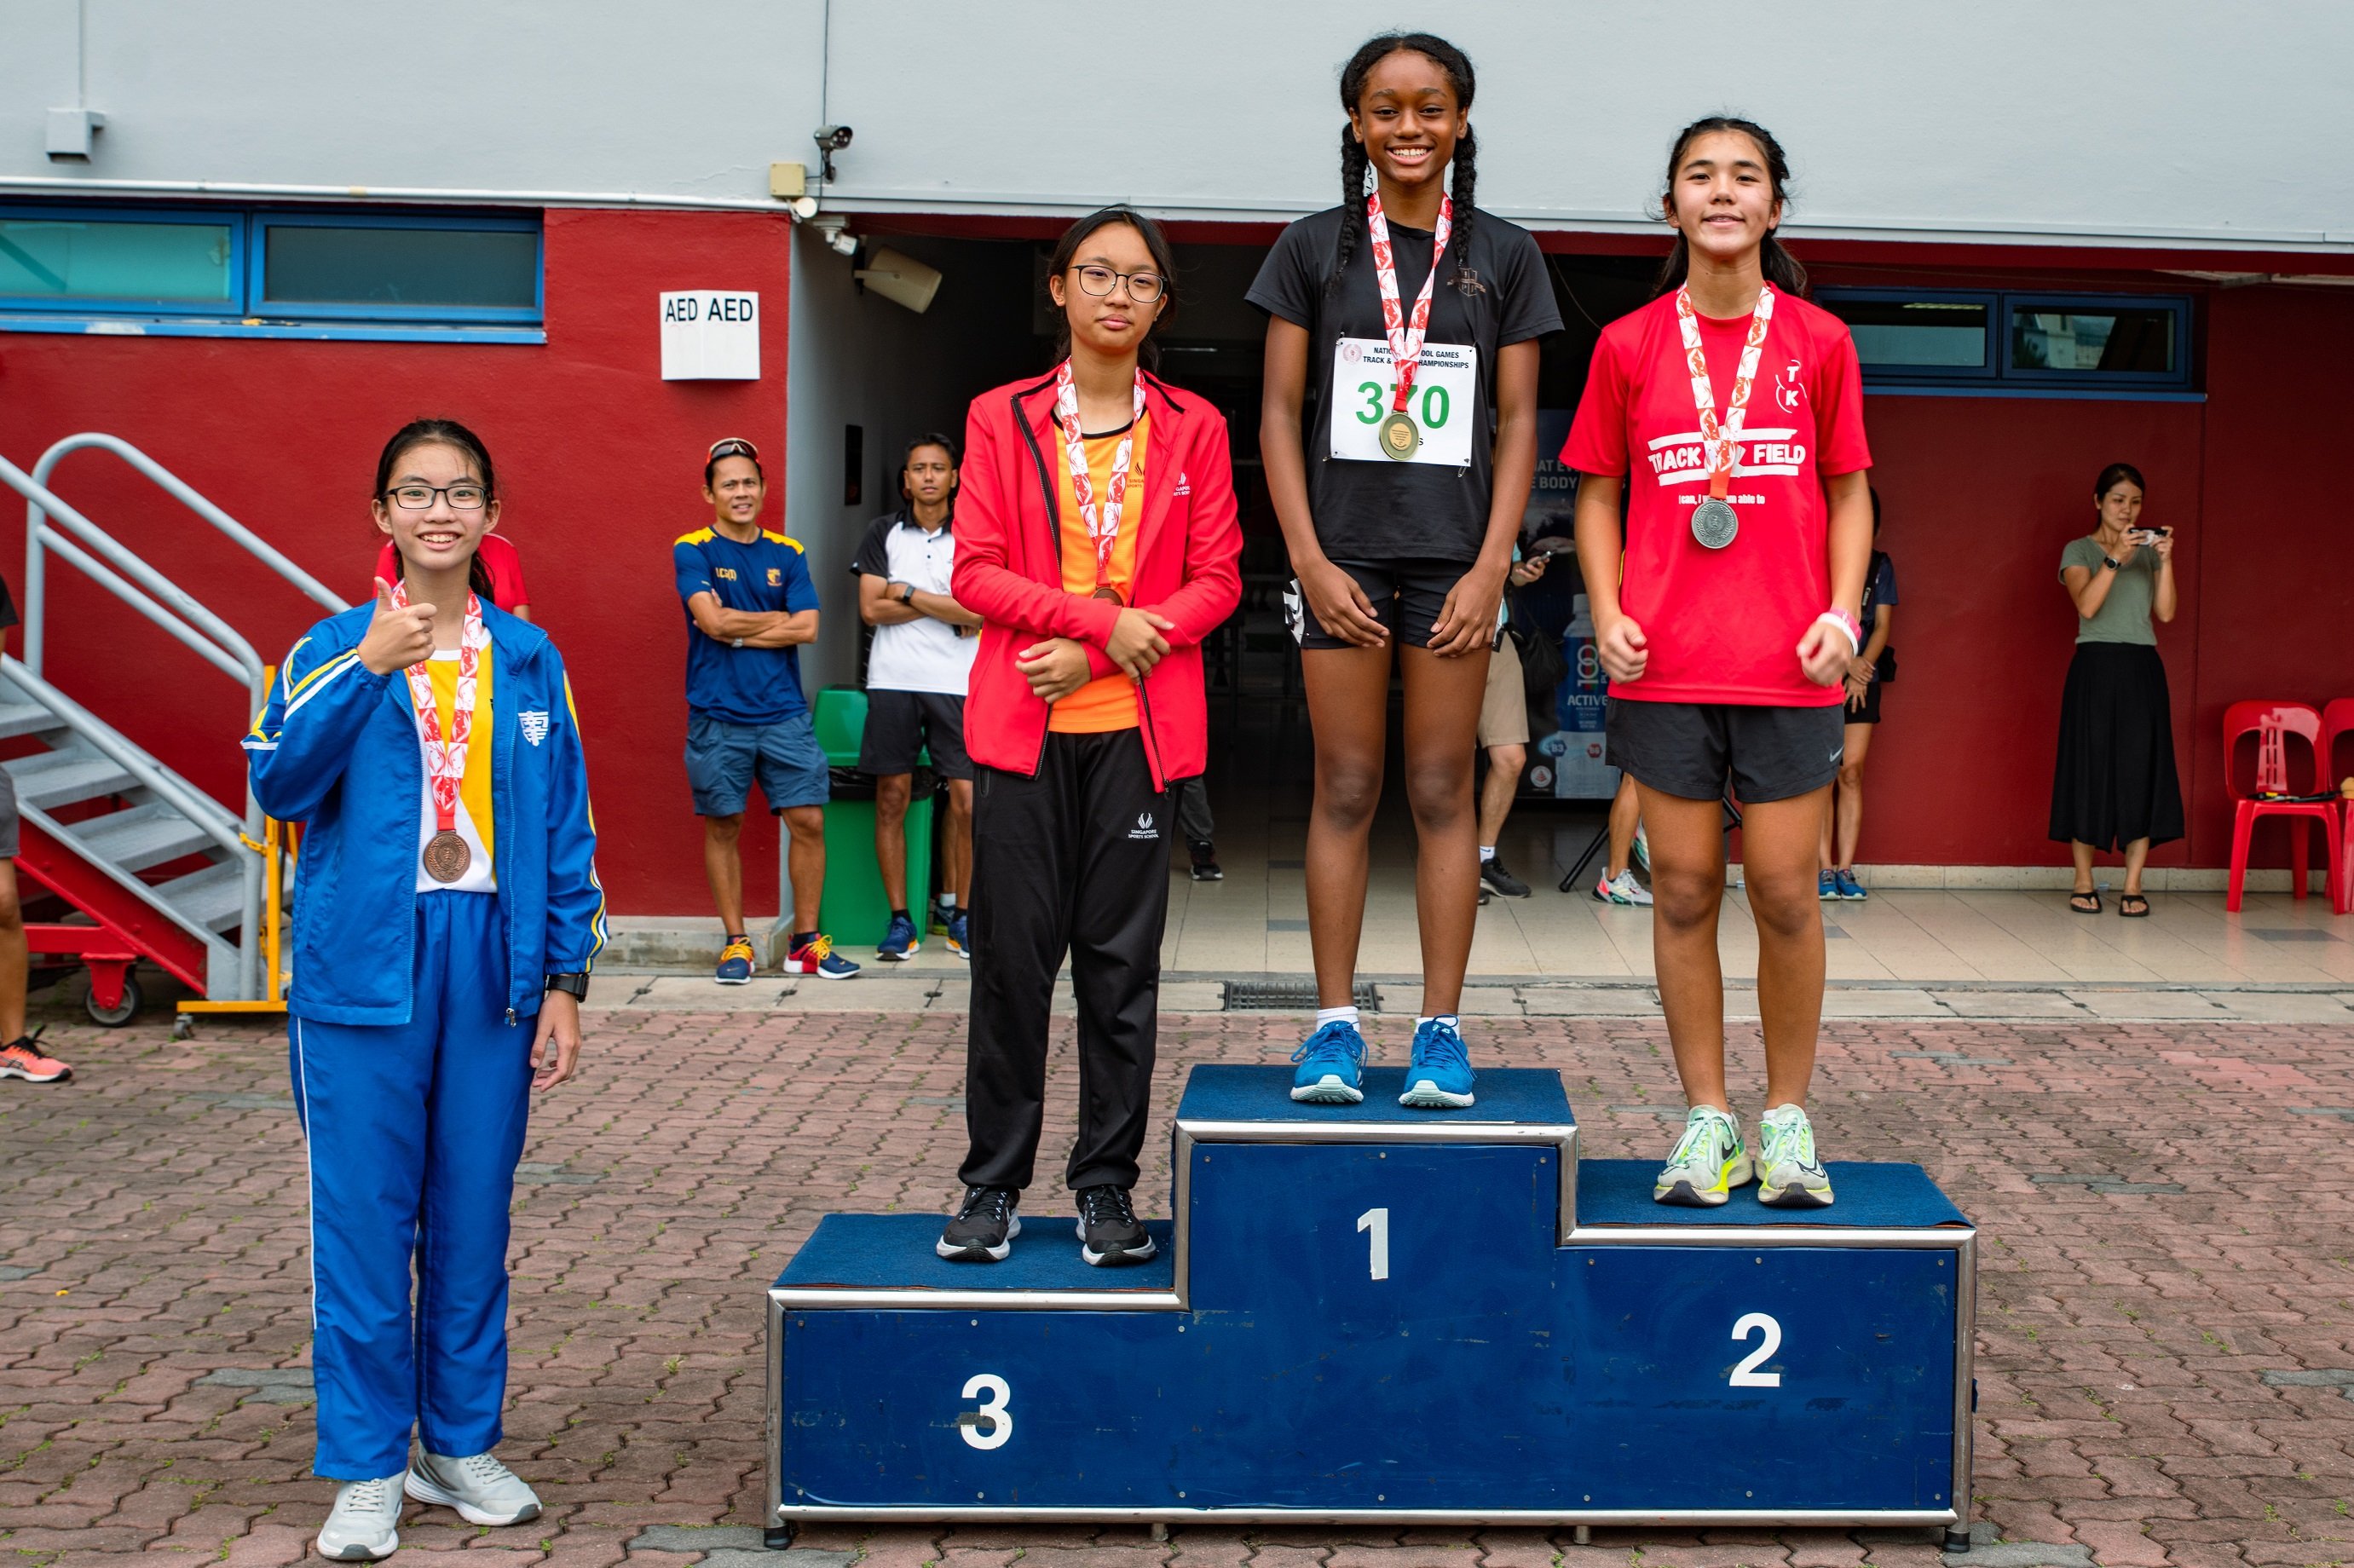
915 677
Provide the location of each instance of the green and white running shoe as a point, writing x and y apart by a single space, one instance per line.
1789 1176
1709 1161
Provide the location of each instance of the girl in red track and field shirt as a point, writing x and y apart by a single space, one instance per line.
1735 411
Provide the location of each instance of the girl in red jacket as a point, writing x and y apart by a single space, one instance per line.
1096 538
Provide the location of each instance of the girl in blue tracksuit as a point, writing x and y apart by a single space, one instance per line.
446 915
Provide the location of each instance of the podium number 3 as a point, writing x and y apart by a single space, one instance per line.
1746 1374
991 1390
1378 1221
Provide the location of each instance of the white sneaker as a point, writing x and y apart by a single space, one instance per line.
1789 1176
1642 847
364 1522
1622 889
482 1490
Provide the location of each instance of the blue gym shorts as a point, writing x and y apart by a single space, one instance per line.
723 759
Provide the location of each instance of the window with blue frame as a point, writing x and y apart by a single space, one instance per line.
311 271
2013 341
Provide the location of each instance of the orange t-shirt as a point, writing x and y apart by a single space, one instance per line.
1108 702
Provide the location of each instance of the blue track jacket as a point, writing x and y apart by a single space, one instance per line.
336 747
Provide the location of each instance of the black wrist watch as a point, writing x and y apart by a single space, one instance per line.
906 593
2112 562
574 985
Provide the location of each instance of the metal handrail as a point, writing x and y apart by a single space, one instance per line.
52 526
218 822
187 496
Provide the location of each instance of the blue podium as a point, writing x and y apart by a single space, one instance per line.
1365 1312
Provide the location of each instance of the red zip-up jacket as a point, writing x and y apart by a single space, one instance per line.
1008 569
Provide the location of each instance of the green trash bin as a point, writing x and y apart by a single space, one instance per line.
852 908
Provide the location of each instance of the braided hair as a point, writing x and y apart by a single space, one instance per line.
1781 268
1354 161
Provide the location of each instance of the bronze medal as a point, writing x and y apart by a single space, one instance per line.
446 856
1400 439
1108 593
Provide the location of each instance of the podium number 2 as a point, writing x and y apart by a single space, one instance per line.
1378 1221
1746 1374
991 1390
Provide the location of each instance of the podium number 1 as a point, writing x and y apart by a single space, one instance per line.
992 1392
1746 1376
1378 1221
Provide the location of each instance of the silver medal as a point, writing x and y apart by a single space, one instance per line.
1714 523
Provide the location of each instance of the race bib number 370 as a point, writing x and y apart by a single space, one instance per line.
1444 406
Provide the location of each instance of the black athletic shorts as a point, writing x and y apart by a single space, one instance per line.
1407 597
1693 750
899 724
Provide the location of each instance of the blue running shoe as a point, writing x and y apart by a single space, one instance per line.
1850 888
817 957
961 935
1440 1078
1329 1061
900 941
737 960
1827 886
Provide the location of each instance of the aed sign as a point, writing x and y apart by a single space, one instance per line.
710 335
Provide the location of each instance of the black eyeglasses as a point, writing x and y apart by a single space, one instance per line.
1143 287
462 497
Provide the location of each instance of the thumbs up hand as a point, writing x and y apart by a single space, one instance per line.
399 636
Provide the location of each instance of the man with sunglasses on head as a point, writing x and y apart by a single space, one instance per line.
750 607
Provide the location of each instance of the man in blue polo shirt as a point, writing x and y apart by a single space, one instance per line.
750 607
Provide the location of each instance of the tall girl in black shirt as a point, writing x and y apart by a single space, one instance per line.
1399 432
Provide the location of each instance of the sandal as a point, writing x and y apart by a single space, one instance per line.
2084 902
2125 901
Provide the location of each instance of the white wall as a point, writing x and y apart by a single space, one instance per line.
2095 121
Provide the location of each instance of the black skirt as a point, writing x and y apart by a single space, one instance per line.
2115 780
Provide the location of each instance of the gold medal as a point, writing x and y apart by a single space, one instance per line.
1400 439
1108 593
446 856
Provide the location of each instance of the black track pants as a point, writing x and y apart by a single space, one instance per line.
1075 859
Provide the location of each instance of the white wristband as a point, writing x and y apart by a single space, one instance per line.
1848 628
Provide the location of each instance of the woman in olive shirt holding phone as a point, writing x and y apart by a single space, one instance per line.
2114 786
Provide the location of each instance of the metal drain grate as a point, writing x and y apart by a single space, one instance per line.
1289 996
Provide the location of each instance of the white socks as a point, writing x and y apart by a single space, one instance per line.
1449 1019
1325 1015
1487 854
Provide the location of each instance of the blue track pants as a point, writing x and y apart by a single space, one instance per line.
414 1130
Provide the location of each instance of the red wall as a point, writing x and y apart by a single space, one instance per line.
599 468
1981 493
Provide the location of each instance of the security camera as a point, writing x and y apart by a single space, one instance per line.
829 139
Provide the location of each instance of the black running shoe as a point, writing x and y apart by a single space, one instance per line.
984 1226
1205 861
1110 1232
1502 883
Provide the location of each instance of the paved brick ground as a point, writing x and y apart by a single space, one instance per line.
2165 1362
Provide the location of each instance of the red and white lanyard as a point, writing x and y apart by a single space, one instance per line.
445 759
1103 524
1722 440
1405 334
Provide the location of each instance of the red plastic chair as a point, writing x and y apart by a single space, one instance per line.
2273 724
2338 724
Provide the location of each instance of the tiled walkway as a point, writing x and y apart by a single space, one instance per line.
2166 1343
